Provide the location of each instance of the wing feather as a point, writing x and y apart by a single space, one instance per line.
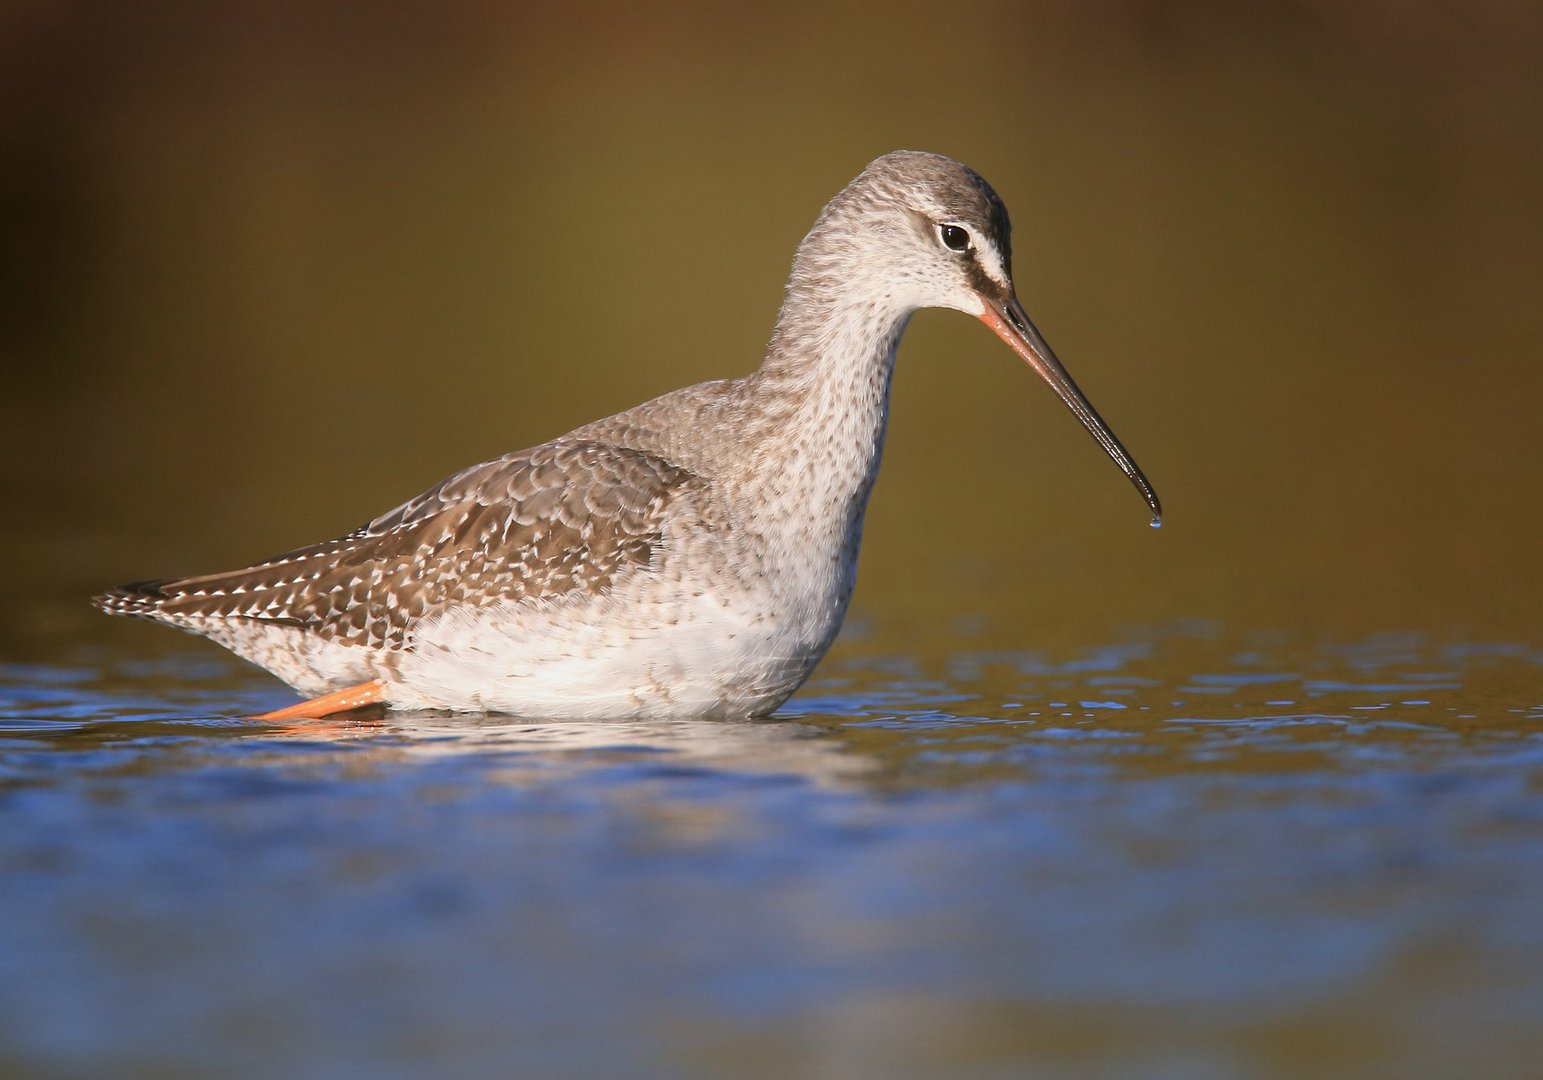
569 517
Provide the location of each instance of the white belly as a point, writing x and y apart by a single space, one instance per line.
707 630
610 658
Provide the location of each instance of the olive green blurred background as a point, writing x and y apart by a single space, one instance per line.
267 270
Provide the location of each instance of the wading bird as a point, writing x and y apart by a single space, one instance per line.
691 556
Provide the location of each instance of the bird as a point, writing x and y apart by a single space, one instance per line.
693 556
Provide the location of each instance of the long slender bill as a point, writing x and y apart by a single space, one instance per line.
1012 325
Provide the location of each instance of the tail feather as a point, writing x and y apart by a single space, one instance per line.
190 603
137 599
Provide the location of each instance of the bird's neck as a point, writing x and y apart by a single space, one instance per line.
824 385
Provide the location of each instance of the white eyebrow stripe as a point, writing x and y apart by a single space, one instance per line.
991 260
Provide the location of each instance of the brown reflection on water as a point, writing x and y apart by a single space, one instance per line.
272 272
266 271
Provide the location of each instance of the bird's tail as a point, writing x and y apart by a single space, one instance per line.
137 599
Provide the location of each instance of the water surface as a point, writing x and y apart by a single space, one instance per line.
1186 853
1258 794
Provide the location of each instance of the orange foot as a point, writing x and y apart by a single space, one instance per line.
339 701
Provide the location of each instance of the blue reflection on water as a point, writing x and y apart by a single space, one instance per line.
951 855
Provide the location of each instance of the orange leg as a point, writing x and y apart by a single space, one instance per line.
354 697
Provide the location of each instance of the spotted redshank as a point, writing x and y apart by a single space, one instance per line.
690 556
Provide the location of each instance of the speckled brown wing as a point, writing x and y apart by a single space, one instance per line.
567 517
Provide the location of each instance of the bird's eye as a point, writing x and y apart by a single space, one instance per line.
954 237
